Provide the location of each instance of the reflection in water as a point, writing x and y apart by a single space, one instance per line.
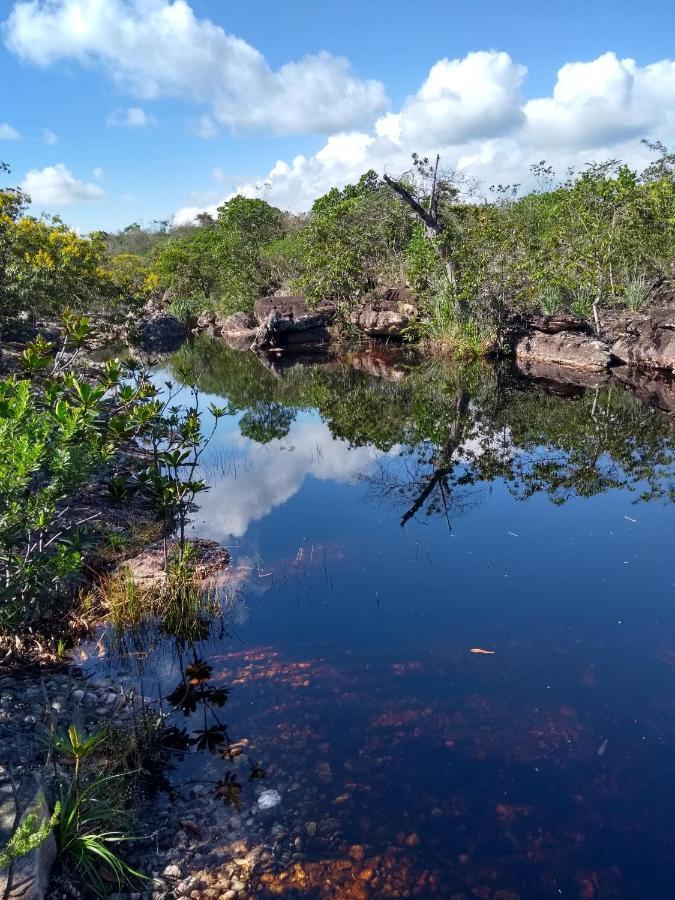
344 676
267 475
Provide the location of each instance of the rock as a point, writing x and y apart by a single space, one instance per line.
237 331
238 325
279 332
160 334
558 322
269 799
564 348
386 316
148 571
648 342
205 320
172 871
292 308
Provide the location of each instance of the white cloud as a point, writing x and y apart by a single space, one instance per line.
49 137
218 175
56 186
471 111
7 133
160 48
133 117
98 172
203 127
261 484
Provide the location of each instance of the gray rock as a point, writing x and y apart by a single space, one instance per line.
648 342
386 316
292 307
564 348
172 871
161 334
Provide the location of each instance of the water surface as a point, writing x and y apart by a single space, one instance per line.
386 521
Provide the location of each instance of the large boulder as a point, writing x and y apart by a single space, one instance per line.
292 308
648 342
161 334
279 332
571 349
238 325
386 316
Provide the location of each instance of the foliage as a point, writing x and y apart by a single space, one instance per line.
351 241
223 262
45 266
32 831
63 426
93 820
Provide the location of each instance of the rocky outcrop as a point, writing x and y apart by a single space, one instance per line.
148 568
648 342
387 316
278 332
292 307
160 334
238 325
558 322
288 322
565 348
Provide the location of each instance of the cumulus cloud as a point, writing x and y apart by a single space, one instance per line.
49 138
56 186
133 117
473 113
261 485
160 48
7 133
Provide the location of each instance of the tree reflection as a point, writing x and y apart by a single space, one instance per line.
457 428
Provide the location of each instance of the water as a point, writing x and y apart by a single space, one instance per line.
385 527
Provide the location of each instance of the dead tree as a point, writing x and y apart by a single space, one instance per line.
429 217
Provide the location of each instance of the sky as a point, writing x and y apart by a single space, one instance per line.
121 111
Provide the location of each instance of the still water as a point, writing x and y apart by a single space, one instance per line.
386 522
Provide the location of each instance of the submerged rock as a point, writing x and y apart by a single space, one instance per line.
269 799
28 876
564 348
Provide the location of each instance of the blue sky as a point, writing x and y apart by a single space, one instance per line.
113 111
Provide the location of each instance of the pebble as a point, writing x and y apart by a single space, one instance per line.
172 871
269 799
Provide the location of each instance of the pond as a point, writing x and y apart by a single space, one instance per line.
449 641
